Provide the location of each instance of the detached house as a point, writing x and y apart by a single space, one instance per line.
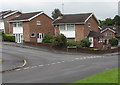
31 27
4 17
110 32
79 26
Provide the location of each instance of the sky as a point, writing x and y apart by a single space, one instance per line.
101 8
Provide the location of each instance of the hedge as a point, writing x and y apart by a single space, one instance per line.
9 37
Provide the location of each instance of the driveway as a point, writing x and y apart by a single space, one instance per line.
50 67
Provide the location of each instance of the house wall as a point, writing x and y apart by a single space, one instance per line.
1 25
108 37
79 32
7 24
97 44
32 27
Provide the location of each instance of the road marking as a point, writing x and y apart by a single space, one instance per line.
26 68
58 62
63 61
33 66
48 64
53 63
40 65
18 69
77 58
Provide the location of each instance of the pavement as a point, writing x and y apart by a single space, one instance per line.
50 67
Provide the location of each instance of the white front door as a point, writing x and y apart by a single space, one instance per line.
92 41
19 38
40 37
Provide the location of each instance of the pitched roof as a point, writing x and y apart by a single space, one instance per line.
94 34
26 16
5 14
115 29
72 18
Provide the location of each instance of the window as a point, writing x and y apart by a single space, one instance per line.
62 27
17 24
67 27
70 27
89 25
38 23
33 35
108 34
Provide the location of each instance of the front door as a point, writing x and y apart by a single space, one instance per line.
19 38
92 41
40 37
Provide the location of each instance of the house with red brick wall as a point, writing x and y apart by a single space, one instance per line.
31 27
109 32
4 17
79 26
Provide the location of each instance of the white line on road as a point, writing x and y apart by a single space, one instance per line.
58 62
40 65
33 66
53 63
18 69
26 68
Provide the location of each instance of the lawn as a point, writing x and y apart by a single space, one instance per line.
105 77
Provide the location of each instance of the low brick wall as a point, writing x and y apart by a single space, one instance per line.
72 50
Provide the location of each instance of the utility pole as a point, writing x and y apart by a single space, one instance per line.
62 7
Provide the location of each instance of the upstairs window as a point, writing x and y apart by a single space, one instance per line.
108 34
67 27
17 24
38 22
62 27
89 25
70 27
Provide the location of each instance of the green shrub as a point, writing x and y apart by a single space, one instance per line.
9 37
47 38
59 40
71 43
85 43
113 41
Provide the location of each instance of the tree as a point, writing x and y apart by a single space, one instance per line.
113 41
116 20
56 13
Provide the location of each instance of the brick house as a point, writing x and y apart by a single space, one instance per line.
4 17
79 26
31 27
110 32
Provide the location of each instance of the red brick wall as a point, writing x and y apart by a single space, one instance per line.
45 27
108 37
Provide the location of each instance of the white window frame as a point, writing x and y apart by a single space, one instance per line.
38 23
66 27
18 24
89 25
34 35
108 34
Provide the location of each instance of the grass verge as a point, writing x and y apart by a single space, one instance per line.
105 77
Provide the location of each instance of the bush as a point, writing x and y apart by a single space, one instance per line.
59 41
9 37
113 41
85 43
71 43
47 38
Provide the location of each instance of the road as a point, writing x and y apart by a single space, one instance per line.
51 67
